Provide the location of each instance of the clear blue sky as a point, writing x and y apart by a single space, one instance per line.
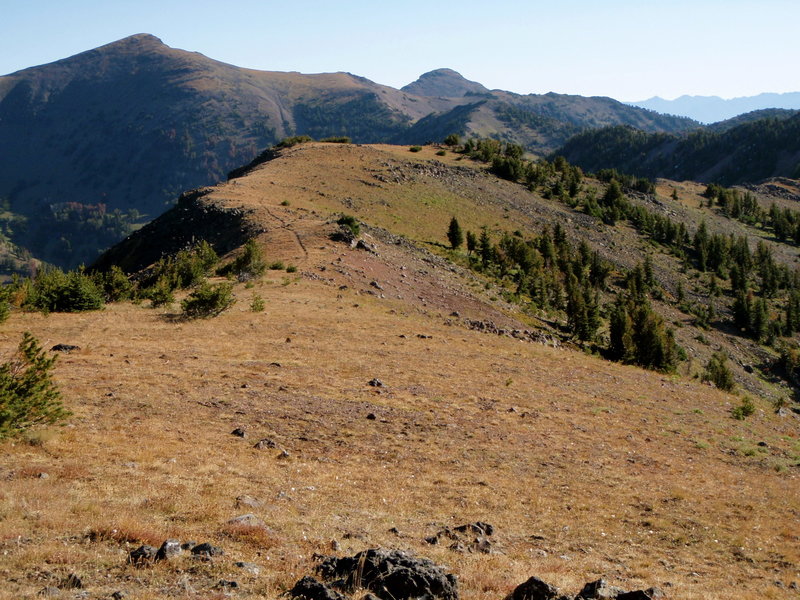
626 49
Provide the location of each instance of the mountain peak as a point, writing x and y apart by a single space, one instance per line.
446 83
136 41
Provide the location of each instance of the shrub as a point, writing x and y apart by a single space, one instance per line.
718 373
5 303
744 410
250 263
160 294
183 270
452 140
293 141
52 290
277 266
208 300
115 284
257 304
351 223
28 395
291 269
441 153
341 139
415 148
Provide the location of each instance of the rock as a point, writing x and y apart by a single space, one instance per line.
169 549
265 443
391 575
188 545
239 432
311 589
206 549
144 554
599 590
252 568
227 585
648 594
534 589
49 591
248 501
375 382
362 245
478 528
65 348
466 538
283 455
376 285
248 520
118 595
371 416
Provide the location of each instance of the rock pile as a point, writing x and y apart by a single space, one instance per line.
472 537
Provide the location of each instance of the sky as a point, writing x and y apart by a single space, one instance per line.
624 49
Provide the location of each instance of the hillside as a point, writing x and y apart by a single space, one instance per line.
585 468
745 153
99 143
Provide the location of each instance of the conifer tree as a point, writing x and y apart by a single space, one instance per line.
454 234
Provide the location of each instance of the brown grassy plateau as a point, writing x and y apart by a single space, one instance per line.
586 468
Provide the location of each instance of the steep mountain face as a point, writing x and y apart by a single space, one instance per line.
445 83
712 109
101 142
745 153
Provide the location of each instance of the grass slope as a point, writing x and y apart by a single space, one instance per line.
586 468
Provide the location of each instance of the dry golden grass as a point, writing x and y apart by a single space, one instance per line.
585 468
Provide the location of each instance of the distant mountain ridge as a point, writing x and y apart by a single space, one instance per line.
109 138
712 109
745 153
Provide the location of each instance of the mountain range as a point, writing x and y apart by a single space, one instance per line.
107 139
712 109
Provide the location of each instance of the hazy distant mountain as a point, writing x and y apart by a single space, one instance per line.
711 109
748 152
110 137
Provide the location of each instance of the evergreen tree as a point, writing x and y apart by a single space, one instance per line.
454 234
28 395
472 242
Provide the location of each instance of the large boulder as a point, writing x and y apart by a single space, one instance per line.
311 589
391 575
535 589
